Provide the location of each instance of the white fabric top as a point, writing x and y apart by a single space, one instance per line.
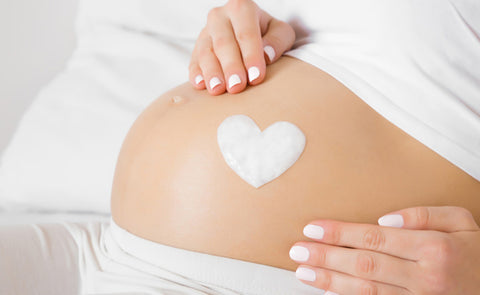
417 63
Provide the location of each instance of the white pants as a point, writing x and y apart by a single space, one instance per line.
102 258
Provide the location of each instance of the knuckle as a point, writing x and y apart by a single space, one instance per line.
440 249
214 13
444 250
335 235
368 288
366 264
245 36
221 42
320 256
325 281
422 215
205 52
374 239
435 275
284 40
236 4
286 28
275 40
435 282
465 214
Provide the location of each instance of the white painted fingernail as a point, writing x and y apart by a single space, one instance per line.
214 82
253 73
314 231
198 79
233 80
392 220
299 253
330 293
305 274
270 52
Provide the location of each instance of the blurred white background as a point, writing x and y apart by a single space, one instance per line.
37 37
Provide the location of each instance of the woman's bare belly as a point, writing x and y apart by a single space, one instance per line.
172 185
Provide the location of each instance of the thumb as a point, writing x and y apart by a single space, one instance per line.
278 38
444 218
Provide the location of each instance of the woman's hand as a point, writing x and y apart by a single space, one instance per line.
436 251
237 42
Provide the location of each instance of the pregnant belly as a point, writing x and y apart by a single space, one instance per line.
173 186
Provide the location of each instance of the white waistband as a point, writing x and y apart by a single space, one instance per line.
224 275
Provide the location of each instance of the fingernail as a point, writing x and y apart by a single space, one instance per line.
305 274
330 293
270 52
198 79
299 253
313 231
214 82
253 73
233 80
392 220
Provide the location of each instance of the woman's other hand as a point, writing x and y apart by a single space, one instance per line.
423 251
237 43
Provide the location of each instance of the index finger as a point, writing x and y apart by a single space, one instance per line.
403 243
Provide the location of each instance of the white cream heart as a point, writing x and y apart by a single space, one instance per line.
259 157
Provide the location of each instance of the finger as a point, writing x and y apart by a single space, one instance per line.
211 69
278 39
359 263
344 284
227 52
195 75
244 16
403 243
441 218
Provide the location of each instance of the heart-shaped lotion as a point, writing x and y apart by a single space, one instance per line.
259 157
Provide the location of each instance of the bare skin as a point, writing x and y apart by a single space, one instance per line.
435 249
173 187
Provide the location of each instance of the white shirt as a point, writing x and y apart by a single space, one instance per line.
417 63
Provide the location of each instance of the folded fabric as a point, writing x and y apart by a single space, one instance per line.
102 258
63 154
